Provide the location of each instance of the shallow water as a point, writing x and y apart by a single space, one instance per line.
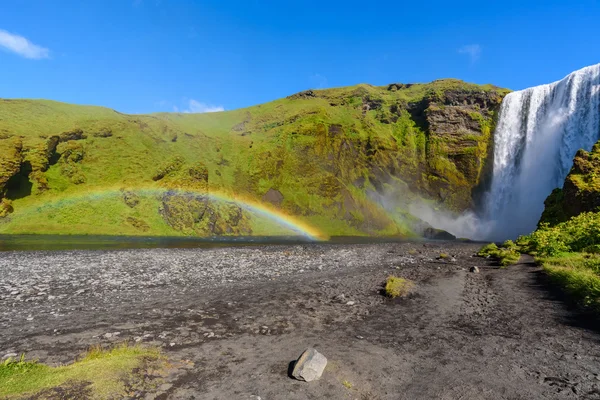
72 242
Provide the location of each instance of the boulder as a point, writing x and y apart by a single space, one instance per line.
474 270
437 234
309 366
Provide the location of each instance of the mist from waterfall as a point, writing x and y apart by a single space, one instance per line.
539 130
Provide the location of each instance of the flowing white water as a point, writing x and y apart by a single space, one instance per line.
538 133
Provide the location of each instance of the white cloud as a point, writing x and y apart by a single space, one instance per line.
195 106
21 46
472 50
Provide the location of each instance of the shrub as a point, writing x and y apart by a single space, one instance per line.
569 255
6 207
488 250
509 244
397 287
507 255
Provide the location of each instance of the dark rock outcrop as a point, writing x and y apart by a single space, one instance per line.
11 157
273 196
580 192
438 234
76 134
103 133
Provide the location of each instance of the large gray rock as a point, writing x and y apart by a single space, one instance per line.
309 366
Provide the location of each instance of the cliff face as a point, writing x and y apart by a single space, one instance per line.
581 190
460 125
317 155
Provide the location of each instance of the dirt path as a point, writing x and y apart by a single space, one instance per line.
239 316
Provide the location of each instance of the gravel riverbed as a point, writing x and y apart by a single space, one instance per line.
239 315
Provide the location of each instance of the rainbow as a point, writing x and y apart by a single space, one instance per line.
278 216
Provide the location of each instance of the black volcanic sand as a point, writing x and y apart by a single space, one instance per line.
232 319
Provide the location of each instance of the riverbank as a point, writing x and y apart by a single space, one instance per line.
231 320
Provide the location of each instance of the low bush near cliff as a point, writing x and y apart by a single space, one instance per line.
507 254
579 234
568 252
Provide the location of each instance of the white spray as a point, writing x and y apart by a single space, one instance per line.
538 133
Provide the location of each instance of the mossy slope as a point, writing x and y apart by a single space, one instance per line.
581 190
315 155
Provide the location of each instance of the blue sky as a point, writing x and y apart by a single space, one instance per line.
164 55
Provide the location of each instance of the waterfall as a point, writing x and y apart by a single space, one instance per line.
539 130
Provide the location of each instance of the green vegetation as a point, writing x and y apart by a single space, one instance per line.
100 372
397 287
508 254
569 253
581 190
62 166
488 250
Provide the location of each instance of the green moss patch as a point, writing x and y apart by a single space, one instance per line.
397 287
100 373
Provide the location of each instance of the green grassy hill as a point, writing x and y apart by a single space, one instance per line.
311 160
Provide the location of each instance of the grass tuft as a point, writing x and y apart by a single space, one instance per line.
506 255
397 287
568 253
103 370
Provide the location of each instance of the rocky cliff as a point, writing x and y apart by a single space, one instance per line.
325 157
581 190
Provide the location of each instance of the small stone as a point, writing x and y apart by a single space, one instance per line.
80 291
309 366
359 337
474 270
171 344
108 335
29 318
453 259
340 297
350 303
165 387
9 355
